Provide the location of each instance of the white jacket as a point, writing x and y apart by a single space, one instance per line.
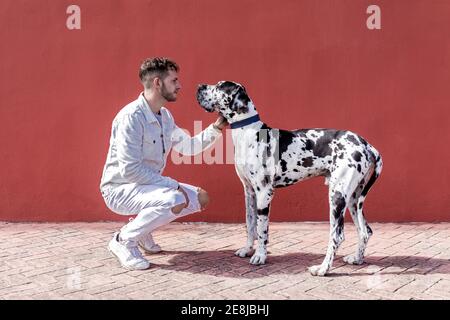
138 147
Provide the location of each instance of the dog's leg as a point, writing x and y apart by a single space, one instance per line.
337 209
356 208
364 231
250 206
263 199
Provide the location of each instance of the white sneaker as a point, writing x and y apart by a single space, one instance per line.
128 254
148 244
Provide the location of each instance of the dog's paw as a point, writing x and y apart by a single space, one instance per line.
244 252
258 258
318 270
353 259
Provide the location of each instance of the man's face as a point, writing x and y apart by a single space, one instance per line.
170 86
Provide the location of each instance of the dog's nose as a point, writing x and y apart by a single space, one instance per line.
201 86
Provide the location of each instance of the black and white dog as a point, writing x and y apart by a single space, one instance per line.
268 158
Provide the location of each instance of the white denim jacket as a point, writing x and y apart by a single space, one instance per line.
139 146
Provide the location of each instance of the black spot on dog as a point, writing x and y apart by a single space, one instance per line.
288 181
266 180
359 168
339 204
263 212
243 96
307 162
285 139
227 87
309 145
369 230
357 156
352 139
283 165
322 146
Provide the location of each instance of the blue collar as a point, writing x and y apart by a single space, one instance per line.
243 123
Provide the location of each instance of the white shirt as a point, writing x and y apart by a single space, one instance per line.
139 145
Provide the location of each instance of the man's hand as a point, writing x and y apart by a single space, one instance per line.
220 123
180 188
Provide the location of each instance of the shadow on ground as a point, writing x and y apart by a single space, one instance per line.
225 263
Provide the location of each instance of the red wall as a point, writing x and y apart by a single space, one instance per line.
304 63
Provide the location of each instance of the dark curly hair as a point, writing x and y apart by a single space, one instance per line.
157 67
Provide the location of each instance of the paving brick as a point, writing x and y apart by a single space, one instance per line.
70 261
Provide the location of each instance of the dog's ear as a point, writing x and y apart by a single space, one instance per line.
227 86
241 101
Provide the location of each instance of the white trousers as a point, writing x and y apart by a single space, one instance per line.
152 204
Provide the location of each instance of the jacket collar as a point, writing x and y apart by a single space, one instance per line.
148 113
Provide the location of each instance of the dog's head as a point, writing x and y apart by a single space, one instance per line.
226 97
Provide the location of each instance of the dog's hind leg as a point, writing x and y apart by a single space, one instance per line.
338 205
250 217
356 211
342 184
364 231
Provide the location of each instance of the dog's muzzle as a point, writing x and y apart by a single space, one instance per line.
201 98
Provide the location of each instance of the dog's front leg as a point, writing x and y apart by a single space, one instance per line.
263 199
250 217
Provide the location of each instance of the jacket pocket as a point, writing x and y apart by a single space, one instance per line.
153 145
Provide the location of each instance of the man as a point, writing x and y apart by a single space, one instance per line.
143 133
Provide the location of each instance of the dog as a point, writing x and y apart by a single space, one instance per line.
268 158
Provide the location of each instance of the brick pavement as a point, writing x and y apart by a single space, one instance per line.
70 261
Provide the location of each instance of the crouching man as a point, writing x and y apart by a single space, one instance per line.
143 133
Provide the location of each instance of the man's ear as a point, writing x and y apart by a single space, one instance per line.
157 82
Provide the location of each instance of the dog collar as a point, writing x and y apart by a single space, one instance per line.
245 122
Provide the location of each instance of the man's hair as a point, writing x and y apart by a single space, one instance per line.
157 67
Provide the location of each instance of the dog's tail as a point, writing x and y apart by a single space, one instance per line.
376 173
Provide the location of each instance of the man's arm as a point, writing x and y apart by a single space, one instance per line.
130 155
190 146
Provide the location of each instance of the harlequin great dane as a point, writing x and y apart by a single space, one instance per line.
268 158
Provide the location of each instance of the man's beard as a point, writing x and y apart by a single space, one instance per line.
167 95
